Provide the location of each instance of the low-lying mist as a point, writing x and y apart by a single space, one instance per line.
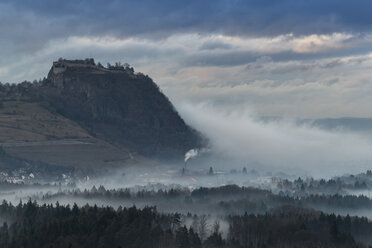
279 144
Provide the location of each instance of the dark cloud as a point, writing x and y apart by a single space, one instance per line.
50 19
261 17
240 57
302 67
333 81
230 58
28 26
212 45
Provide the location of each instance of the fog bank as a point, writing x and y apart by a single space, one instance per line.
279 144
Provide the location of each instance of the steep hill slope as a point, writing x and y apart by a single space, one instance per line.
119 106
87 115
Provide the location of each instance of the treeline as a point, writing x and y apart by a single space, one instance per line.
57 226
226 199
222 192
300 186
31 225
63 226
293 227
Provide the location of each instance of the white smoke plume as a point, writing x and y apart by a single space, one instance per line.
191 154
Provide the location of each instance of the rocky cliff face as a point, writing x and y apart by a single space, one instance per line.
117 105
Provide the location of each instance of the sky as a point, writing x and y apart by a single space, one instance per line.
292 58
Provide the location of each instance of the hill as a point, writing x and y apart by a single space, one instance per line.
111 111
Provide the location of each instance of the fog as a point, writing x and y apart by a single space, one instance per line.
279 144
264 155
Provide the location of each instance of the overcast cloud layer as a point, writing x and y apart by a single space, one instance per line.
280 58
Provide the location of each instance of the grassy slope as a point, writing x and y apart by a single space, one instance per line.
29 131
25 121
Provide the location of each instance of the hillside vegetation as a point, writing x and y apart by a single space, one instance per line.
103 108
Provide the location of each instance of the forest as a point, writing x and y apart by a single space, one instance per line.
225 216
221 200
32 225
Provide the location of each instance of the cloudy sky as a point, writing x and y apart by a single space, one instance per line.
295 58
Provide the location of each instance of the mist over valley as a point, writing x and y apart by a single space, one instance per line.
185 124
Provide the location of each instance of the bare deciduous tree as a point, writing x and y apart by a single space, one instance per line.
203 227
